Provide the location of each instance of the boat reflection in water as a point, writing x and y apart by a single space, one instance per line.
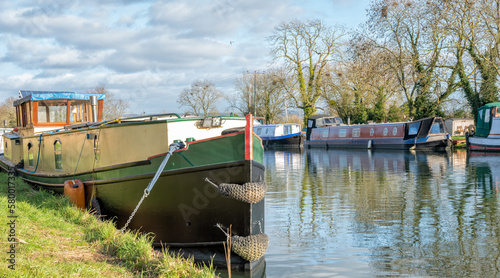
362 213
485 168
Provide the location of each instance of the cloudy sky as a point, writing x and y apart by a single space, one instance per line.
146 51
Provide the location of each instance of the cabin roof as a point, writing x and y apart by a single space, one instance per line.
493 104
321 116
27 95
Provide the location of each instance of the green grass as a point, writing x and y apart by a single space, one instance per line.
457 137
55 239
462 145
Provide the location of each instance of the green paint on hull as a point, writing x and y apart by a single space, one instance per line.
208 152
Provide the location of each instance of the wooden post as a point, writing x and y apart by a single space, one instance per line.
68 111
35 113
99 109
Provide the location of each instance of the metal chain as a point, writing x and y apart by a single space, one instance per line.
173 148
135 210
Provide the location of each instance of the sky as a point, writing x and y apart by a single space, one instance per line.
147 52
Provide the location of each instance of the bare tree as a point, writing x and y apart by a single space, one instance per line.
8 113
413 34
262 94
306 48
201 99
113 107
363 86
475 40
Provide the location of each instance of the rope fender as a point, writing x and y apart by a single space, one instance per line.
251 247
250 192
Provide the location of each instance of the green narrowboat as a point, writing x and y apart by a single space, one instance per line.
175 177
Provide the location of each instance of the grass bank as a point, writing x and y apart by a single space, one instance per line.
460 143
43 235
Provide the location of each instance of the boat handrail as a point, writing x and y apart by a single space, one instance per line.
150 117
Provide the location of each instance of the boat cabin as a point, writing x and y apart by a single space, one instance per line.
319 121
275 131
488 120
41 111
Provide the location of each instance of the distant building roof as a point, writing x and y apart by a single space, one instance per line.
27 95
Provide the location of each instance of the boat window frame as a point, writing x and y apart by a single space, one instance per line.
356 132
325 133
58 155
31 159
411 127
487 114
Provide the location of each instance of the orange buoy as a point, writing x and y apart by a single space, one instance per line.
76 192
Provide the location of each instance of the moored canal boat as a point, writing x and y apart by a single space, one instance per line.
192 181
424 134
486 136
280 135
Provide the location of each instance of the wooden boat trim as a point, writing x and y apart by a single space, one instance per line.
97 170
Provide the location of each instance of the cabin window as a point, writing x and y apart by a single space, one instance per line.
356 132
394 131
487 116
325 133
310 123
413 128
285 130
437 128
97 150
342 133
53 111
30 155
257 131
58 154
78 111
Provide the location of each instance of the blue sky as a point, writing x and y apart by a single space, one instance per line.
146 51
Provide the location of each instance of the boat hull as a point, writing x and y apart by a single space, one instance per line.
436 143
483 144
294 141
425 134
183 209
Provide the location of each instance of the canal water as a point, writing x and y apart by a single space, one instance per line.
362 213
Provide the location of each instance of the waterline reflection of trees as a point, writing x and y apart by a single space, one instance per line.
424 214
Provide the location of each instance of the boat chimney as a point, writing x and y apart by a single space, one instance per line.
93 103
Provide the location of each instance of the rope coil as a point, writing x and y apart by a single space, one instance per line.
250 192
251 247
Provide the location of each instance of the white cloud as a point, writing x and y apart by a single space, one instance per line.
136 48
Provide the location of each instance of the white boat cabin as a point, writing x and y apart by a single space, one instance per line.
276 130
